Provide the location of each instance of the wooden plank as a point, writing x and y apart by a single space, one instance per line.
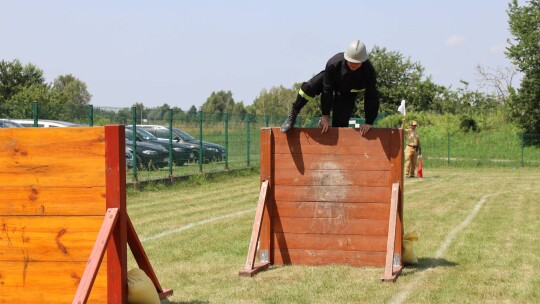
332 194
32 156
52 238
330 226
334 136
389 274
142 259
256 229
115 168
330 177
328 257
96 256
364 243
331 161
37 200
397 161
47 282
266 174
332 210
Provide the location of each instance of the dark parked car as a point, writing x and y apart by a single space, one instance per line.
149 155
181 153
5 123
211 151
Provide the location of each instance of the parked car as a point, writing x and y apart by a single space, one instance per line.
210 151
129 158
6 123
181 153
45 123
149 156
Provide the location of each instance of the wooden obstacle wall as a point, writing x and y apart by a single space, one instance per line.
328 198
52 203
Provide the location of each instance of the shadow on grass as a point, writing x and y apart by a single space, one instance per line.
427 263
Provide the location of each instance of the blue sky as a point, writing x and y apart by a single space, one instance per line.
178 52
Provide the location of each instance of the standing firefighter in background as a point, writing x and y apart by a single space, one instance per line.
413 149
345 75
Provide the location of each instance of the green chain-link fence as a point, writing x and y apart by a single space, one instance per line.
239 136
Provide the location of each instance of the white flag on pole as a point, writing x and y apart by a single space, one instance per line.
401 108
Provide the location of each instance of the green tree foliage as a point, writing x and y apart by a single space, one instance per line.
399 78
524 103
15 78
74 97
275 102
218 103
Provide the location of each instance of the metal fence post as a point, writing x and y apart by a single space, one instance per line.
170 145
226 141
200 141
522 147
134 139
448 148
91 115
267 120
248 137
35 113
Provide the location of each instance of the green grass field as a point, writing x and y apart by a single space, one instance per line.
479 243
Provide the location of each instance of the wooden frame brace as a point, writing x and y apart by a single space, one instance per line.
391 271
251 268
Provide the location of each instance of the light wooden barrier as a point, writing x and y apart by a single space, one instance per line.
62 205
333 198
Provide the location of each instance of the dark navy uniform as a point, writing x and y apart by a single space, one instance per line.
341 87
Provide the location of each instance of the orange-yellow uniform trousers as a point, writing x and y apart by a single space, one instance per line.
413 142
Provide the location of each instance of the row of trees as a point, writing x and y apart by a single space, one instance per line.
65 98
398 78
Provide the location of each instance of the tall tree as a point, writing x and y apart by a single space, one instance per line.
218 103
14 78
275 102
400 78
524 51
74 96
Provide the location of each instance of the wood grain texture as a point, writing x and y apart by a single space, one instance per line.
52 157
331 195
331 210
366 243
47 282
327 257
52 238
42 201
341 226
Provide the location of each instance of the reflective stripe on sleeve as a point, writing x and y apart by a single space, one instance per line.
306 96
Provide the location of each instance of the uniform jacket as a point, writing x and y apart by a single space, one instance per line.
340 84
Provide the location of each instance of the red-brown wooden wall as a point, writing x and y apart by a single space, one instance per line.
329 195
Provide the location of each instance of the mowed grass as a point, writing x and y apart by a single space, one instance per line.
479 243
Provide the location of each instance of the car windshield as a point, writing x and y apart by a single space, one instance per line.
183 135
142 133
145 134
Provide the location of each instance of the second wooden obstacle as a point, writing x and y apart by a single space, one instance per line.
333 198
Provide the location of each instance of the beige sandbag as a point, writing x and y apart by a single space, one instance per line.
408 253
141 290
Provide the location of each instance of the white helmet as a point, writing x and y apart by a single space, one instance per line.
356 52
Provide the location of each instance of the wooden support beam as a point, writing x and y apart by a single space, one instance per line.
142 259
255 233
390 272
92 267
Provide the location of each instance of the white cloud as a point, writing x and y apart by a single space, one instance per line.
454 40
498 49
